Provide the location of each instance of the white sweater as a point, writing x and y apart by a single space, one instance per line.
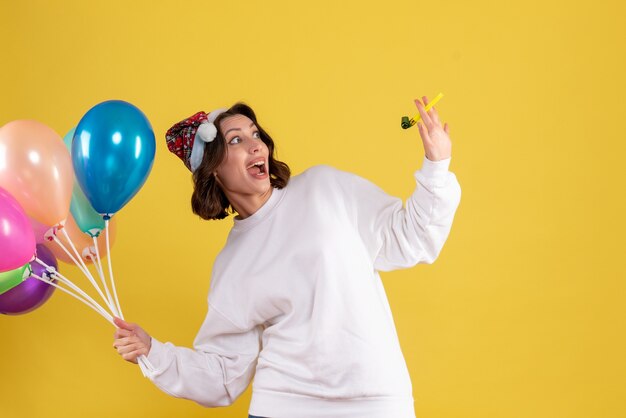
296 297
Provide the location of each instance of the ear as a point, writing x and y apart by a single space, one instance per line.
217 179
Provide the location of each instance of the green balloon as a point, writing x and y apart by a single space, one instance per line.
10 279
88 220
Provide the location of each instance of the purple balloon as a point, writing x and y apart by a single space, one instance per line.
31 293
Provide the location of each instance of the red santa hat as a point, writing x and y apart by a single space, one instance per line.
187 138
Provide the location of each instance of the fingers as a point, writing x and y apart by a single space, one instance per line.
423 132
422 111
122 342
432 113
130 340
120 333
125 349
124 325
130 348
132 357
434 116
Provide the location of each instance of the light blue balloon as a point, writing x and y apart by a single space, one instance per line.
112 153
88 220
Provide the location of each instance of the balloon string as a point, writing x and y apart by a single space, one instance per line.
68 282
86 273
80 267
104 314
145 366
86 300
89 302
97 261
142 360
90 276
110 263
100 275
98 265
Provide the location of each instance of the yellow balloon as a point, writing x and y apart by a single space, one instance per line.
36 168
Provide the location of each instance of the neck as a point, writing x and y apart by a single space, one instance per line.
246 205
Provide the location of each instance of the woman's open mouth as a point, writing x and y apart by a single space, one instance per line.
257 169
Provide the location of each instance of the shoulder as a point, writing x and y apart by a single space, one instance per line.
333 177
325 183
325 173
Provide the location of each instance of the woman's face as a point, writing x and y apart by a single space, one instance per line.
245 169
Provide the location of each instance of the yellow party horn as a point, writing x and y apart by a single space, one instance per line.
407 123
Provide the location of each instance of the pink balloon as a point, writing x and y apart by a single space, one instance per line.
17 240
36 168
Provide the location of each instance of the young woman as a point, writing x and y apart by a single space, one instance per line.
295 297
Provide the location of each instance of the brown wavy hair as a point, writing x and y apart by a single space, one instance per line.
208 200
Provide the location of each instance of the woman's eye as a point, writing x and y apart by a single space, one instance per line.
237 140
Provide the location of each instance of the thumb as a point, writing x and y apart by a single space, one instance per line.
120 323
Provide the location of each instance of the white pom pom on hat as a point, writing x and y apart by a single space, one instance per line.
206 132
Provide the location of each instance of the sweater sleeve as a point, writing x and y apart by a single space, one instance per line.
216 371
398 236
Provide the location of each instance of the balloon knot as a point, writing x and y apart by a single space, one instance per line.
50 272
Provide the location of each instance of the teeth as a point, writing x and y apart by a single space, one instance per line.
258 163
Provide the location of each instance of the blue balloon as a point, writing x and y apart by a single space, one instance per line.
112 153
88 220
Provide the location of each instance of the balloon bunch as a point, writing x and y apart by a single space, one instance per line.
58 195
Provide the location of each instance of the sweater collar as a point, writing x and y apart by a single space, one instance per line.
262 213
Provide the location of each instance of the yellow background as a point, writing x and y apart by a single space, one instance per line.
523 313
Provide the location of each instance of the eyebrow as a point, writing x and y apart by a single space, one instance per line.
236 129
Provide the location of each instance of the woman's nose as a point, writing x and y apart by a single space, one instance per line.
255 146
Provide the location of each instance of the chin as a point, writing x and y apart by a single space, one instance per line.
265 186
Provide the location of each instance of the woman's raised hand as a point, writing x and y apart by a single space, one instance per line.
436 139
131 341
